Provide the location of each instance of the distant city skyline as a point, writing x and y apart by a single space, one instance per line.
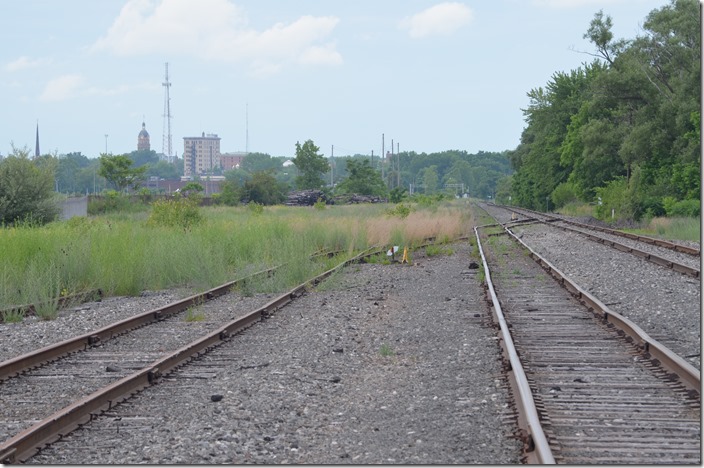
431 75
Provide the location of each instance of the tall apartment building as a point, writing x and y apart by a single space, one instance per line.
201 155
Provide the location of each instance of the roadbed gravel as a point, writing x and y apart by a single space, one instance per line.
383 364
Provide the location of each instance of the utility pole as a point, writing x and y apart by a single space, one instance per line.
391 175
398 166
383 156
332 164
106 143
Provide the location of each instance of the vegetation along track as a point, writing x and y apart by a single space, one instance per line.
663 302
601 396
51 391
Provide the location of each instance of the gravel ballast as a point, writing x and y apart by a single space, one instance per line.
664 303
382 364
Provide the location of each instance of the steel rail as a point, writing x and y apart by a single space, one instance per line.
25 444
22 363
31 309
658 260
645 239
536 446
687 374
63 301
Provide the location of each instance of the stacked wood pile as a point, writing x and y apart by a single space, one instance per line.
306 198
355 198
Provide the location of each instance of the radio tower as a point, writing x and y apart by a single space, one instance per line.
166 138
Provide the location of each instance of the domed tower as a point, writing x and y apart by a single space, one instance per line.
143 140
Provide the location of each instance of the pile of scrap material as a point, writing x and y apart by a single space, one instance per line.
306 198
355 198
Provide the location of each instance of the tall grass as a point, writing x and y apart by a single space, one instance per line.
125 254
688 229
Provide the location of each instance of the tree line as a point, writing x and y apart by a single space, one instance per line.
260 178
622 131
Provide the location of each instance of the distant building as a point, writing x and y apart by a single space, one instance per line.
201 154
231 161
143 140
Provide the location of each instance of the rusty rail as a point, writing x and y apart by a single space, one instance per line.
637 237
688 374
537 448
28 442
658 260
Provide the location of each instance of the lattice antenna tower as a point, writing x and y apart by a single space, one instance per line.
166 136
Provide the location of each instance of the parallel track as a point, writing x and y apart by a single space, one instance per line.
677 257
604 391
107 366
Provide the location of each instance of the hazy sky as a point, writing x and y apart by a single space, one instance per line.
431 75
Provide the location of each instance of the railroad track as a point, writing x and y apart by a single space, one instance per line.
99 369
677 257
663 301
590 385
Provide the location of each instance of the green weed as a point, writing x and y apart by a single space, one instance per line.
386 350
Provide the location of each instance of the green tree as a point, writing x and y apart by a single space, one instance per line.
255 162
230 193
362 179
26 189
163 170
264 189
430 179
118 171
311 166
144 157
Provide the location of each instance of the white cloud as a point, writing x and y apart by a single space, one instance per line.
62 88
71 86
218 30
567 4
442 19
24 62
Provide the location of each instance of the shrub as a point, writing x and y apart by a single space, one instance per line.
26 191
563 194
255 208
181 212
400 210
688 208
319 205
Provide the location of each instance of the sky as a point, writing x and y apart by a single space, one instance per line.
349 75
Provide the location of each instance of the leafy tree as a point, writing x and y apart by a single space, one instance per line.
397 194
362 179
264 189
118 172
311 166
163 170
144 157
230 193
67 171
430 179
255 162
192 186
26 189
